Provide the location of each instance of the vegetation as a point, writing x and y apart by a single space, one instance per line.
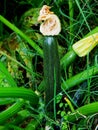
44 83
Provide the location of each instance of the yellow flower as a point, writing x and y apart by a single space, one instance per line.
84 46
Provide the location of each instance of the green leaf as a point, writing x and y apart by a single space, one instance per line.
7 75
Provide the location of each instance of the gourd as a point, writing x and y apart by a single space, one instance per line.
50 28
51 69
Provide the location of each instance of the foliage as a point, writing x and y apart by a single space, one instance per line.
21 67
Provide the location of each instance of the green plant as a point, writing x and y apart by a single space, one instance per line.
69 84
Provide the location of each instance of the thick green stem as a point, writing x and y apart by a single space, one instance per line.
95 30
83 112
79 78
9 92
13 127
33 124
18 31
21 117
12 110
68 58
6 101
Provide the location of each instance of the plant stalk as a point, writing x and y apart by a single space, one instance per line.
12 110
9 92
79 78
71 13
83 112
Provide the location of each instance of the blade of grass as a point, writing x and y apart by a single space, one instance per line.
88 80
71 13
16 62
19 32
82 14
8 77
